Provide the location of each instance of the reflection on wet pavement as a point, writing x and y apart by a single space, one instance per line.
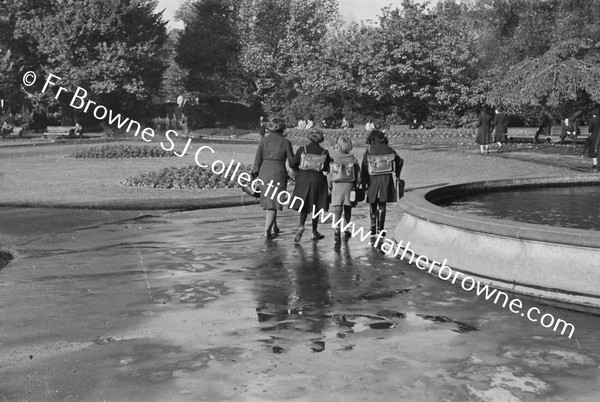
189 306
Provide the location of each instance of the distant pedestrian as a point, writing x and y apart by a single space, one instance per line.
484 132
381 167
269 166
262 127
311 161
344 176
345 124
594 129
370 126
500 126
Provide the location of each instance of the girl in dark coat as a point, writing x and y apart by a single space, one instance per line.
500 128
484 132
381 188
311 184
269 166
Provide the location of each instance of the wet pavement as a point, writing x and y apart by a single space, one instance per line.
170 306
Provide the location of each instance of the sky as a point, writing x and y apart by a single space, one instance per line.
351 9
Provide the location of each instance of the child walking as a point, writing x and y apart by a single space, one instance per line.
344 176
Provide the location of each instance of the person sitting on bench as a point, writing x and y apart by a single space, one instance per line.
568 130
6 129
76 131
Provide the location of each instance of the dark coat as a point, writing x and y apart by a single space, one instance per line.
381 188
311 186
484 129
500 127
594 129
269 164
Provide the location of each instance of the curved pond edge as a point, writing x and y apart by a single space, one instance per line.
553 263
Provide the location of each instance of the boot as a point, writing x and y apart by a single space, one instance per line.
373 223
381 221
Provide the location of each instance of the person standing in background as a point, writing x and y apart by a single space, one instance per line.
500 128
261 127
484 132
370 126
594 129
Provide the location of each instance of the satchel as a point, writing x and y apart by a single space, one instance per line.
312 161
341 172
400 188
380 164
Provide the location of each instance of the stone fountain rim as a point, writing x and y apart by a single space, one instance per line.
420 203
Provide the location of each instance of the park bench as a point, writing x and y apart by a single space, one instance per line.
514 133
528 133
58 131
398 127
14 130
556 131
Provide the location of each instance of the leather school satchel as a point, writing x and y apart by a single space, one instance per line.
341 172
380 164
312 161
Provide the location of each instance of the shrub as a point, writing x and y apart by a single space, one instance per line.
122 151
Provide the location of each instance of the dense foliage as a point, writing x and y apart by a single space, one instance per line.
437 62
112 48
122 151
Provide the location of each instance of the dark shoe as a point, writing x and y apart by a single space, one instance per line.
276 229
347 234
299 234
337 236
268 236
317 236
595 169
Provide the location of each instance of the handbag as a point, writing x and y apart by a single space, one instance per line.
312 161
400 188
380 164
248 190
341 172
357 195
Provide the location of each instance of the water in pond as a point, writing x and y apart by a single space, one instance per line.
572 207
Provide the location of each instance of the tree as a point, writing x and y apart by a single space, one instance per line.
561 77
281 42
109 47
209 48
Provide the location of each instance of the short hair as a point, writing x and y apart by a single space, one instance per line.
376 136
344 144
316 136
276 125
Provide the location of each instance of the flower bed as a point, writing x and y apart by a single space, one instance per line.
187 177
190 177
122 151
